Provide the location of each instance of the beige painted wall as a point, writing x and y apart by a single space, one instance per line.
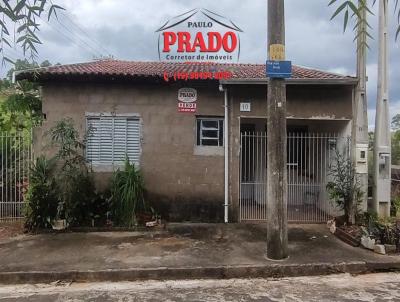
183 180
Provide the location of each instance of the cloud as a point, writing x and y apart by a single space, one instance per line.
126 29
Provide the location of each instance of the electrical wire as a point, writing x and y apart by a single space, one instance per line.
71 40
79 38
98 44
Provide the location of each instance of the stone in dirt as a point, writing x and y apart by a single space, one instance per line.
390 248
367 242
151 224
379 249
332 226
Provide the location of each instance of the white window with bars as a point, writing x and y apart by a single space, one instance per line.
111 138
210 131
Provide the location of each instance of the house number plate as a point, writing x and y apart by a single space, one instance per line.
245 107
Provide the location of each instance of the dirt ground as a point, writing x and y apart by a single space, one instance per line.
9 229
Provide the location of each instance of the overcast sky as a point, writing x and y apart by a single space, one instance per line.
126 29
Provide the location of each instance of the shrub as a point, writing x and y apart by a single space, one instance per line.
100 208
127 195
387 230
82 204
345 188
395 206
77 193
62 188
41 198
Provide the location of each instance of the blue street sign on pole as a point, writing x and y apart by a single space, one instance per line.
279 69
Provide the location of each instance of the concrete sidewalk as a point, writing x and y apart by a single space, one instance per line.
182 251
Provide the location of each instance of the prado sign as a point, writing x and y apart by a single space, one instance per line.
199 35
187 98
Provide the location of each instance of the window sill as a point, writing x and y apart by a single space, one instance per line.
208 151
106 167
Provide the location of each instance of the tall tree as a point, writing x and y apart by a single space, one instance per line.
396 122
19 24
21 65
21 106
351 10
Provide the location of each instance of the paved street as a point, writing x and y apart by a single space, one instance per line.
374 287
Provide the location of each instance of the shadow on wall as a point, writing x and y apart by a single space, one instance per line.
178 209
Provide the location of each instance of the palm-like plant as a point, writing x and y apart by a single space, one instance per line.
354 9
20 23
128 195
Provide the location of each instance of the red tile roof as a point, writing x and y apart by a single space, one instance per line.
120 68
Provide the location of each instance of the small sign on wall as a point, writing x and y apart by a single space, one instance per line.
245 107
187 98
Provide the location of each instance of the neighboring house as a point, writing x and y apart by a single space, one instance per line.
132 110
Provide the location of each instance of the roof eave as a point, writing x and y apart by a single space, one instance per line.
236 81
349 81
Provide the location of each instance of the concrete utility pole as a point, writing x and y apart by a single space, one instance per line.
382 151
277 239
360 126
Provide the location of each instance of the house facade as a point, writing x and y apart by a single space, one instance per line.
203 162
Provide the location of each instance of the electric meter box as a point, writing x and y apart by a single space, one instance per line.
384 158
362 158
384 165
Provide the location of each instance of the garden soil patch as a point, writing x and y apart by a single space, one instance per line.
11 229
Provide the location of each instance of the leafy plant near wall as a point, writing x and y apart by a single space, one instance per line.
77 193
395 206
65 138
20 102
384 230
21 108
62 187
344 188
127 195
79 201
41 198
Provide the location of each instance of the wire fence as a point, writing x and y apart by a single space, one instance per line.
15 160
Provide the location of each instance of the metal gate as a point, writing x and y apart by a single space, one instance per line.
308 160
15 159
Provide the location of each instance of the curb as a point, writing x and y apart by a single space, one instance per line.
222 272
